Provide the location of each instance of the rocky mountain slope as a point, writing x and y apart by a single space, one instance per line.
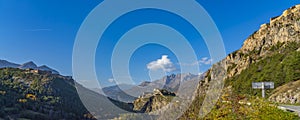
275 44
281 30
150 102
288 93
28 65
269 54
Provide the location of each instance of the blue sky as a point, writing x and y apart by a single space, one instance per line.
44 32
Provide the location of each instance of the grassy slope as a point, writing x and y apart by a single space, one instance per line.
281 66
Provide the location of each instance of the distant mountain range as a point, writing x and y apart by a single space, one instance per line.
129 93
28 65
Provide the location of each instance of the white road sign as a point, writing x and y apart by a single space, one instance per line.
263 86
259 85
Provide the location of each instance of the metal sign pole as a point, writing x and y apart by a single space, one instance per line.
263 86
263 90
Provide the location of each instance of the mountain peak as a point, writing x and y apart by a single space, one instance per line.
145 83
28 65
4 63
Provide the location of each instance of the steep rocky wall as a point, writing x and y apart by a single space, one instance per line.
281 29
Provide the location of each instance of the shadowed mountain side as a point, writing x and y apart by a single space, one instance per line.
31 95
182 84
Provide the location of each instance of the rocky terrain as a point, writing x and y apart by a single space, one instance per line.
272 38
288 93
269 54
281 30
150 102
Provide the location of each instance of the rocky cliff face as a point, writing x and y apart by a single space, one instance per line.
150 102
281 29
270 40
265 42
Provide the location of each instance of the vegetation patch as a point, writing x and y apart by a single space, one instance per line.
281 67
38 96
254 109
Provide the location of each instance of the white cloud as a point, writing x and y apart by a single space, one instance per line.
164 64
36 30
205 61
189 64
111 80
202 61
200 73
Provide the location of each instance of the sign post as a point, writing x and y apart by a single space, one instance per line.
263 86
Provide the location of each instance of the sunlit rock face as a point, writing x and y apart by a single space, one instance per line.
280 30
